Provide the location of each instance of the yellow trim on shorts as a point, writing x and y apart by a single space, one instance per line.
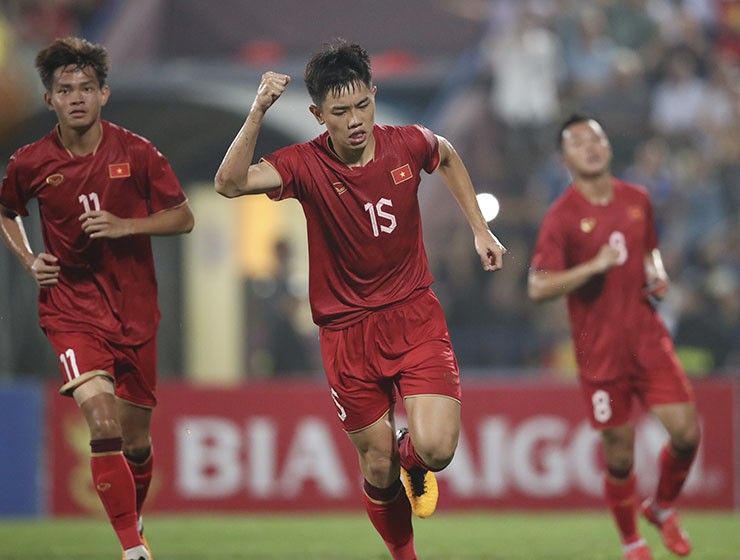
370 425
69 387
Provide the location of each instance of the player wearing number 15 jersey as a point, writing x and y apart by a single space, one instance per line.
102 191
369 281
598 246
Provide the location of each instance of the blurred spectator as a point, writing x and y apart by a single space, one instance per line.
631 26
14 90
625 106
527 68
590 54
678 98
651 169
276 344
703 214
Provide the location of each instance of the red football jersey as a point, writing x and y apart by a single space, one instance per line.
364 226
610 313
105 285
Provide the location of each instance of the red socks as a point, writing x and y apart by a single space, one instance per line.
142 473
409 458
622 501
390 513
674 468
115 486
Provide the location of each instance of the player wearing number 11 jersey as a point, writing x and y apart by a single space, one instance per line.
102 191
369 281
598 246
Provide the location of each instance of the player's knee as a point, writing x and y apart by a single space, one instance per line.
439 454
137 453
686 440
379 471
104 428
620 470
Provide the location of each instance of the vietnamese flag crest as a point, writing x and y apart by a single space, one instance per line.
119 170
401 174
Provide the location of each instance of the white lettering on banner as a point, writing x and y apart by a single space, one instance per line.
207 451
261 463
539 456
545 457
583 463
312 456
213 461
492 436
542 456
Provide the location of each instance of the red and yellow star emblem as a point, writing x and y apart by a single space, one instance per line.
401 174
119 170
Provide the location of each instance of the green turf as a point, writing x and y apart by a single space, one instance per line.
446 536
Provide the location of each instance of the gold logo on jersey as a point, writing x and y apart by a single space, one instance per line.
636 213
54 179
588 225
339 187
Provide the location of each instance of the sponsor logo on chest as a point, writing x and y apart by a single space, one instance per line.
54 179
588 224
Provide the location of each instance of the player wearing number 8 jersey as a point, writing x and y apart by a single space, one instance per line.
598 246
369 282
102 191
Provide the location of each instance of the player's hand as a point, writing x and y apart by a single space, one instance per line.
657 288
270 89
606 258
99 223
490 250
45 270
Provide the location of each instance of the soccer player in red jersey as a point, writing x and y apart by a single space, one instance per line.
598 246
102 191
381 326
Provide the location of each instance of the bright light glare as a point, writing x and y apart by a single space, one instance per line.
488 205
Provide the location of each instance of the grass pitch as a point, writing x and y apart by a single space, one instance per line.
446 536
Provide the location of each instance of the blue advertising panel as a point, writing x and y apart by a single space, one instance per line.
21 441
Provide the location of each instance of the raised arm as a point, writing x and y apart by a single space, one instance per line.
545 284
237 176
41 267
455 176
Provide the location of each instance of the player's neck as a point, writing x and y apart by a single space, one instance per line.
597 190
355 158
80 142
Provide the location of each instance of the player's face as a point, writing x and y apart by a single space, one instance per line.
586 149
76 97
349 117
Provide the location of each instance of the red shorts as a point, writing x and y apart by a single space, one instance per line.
406 346
132 368
609 403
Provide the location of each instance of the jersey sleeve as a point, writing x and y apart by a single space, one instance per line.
549 251
165 190
426 145
287 163
651 235
12 196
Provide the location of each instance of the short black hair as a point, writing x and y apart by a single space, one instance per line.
340 66
574 118
73 51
